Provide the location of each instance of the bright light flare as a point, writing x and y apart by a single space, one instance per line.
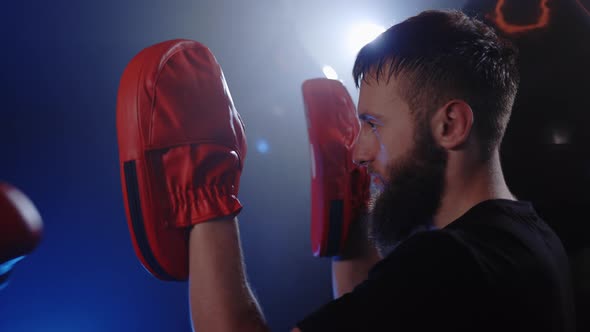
362 34
330 72
262 146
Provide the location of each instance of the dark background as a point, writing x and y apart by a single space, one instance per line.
60 65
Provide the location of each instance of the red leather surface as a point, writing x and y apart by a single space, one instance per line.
177 121
20 224
332 127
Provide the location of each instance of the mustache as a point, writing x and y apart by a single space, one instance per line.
376 175
377 186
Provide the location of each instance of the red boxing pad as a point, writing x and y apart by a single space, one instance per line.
339 188
182 149
20 228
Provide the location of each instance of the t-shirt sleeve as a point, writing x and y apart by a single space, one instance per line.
410 290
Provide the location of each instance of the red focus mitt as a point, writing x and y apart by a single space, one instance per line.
339 188
20 228
182 149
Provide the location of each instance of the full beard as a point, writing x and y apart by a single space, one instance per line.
411 197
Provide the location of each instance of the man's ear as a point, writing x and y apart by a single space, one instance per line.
451 124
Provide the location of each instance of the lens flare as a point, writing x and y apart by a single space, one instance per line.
262 146
583 7
330 72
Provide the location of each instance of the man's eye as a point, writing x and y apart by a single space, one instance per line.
372 125
368 120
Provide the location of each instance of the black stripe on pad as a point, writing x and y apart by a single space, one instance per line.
137 222
335 231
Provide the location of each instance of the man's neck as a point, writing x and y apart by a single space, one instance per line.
468 185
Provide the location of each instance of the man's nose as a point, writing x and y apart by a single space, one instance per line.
361 152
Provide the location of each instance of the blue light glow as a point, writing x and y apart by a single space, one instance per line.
262 146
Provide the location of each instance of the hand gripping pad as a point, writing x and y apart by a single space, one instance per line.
339 188
182 149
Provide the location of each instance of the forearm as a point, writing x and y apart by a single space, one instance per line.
349 273
352 267
220 297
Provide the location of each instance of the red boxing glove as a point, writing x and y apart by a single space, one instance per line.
339 188
20 228
182 149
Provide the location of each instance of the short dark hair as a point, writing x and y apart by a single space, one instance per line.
443 55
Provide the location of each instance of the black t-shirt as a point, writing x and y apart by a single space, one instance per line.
499 267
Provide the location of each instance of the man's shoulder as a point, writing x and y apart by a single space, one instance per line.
435 251
503 232
430 244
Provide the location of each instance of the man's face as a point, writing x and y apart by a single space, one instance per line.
401 154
